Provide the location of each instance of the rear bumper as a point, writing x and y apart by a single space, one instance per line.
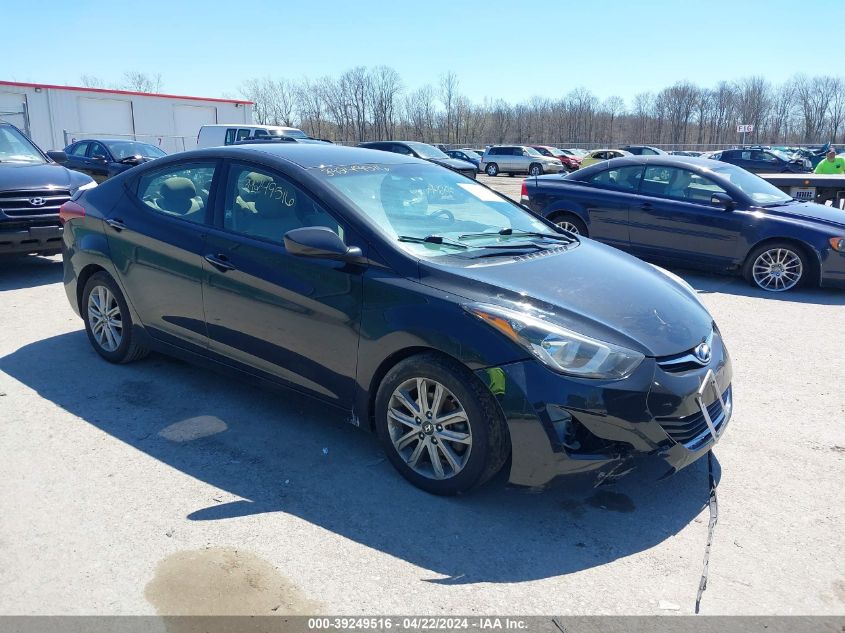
33 239
560 425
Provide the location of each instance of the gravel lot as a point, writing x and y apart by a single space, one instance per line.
159 487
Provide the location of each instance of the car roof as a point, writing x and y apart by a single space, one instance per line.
668 160
259 126
308 155
110 140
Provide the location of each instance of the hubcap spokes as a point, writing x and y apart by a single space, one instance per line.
105 319
777 269
429 428
568 226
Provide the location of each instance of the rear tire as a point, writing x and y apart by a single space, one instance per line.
569 222
492 170
469 447
108 323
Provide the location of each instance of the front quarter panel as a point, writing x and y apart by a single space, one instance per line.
402 317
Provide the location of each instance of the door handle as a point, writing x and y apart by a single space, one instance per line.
220 262
116 224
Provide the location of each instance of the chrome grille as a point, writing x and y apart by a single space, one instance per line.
33 202
692 430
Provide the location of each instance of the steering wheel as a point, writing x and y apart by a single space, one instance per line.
443 213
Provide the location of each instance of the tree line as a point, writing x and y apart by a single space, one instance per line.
374 104
365 103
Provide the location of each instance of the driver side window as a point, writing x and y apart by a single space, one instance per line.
264 204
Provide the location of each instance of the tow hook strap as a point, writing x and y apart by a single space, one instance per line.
714 516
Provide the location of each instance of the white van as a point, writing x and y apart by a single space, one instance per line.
223 134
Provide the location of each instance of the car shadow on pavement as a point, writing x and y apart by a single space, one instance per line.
270 452
724 284
29 272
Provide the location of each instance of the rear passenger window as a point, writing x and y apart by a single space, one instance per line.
261 134
179 190
623 178
79 149
230 136
242 134
263 204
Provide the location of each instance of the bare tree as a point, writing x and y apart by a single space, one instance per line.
613 107
449 95
92 81
385 87
138 81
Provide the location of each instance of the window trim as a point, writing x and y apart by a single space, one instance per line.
219 218
700 203
133 187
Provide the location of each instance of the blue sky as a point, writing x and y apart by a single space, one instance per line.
510 50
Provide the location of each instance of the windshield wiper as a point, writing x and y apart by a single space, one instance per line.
509 231
432 239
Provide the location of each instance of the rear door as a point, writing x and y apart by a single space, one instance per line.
673 220
611 194
157 236
272 313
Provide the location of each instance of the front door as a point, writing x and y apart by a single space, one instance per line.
157 238
674 221
271 312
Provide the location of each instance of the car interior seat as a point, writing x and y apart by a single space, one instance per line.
178 196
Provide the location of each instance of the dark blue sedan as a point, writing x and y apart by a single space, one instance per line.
697 213
104 158
465 154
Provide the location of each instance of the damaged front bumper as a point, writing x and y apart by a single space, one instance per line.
560 425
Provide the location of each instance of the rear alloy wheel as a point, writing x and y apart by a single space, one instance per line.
571 224
535 170
776 267
439 425
492 169
107 321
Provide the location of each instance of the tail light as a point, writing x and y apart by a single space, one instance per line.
70 210
523 193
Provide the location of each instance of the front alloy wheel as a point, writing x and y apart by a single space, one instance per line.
777 269
440 426
429 428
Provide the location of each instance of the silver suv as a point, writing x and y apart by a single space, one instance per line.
518 159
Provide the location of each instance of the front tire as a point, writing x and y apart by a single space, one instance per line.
108 323
439 425
492 170
535 170
776 267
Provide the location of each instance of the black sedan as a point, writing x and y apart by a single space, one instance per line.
765 160
425 152
463 330
104 158
698 213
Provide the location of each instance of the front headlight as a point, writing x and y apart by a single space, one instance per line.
838 244
560 349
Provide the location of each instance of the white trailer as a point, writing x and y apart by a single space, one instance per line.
55 116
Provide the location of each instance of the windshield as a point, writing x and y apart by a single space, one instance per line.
562 152
471 153
16 148
125 149
291 132
760 191
417 201
532 152
424 150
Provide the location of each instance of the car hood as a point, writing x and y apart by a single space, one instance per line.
452 163
590 288
14 176
824 214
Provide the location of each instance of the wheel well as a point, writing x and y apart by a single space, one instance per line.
554 216
82 279
386 365
808 251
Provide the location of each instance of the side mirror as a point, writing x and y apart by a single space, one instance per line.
321 243
57 156
722 200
